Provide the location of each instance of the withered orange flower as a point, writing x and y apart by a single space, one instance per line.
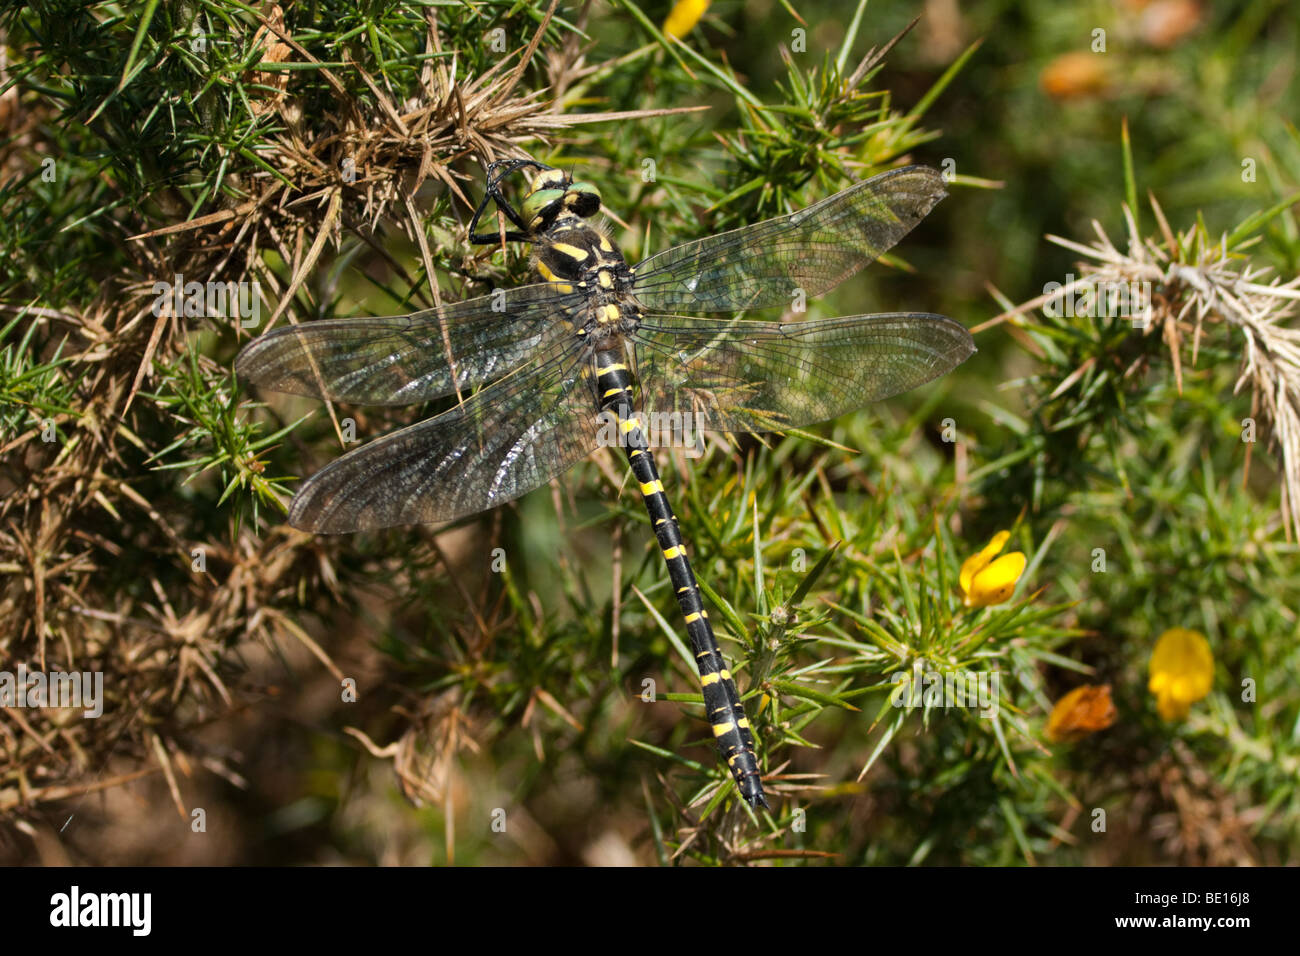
1076 75
1083 711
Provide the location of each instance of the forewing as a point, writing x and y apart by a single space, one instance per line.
814 249
405 359
741 376
503 441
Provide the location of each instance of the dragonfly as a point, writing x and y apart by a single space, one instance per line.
594 353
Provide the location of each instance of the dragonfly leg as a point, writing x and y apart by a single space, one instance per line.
492 193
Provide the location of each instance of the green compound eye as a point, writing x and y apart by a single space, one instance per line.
583 198
536 204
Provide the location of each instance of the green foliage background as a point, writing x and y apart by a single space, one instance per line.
832 556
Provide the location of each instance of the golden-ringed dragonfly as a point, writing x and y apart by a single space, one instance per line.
550 371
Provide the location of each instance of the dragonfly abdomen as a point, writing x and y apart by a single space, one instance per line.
722 704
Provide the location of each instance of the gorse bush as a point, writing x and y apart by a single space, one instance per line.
1039 611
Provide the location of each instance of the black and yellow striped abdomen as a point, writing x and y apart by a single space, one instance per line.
721 700
573 253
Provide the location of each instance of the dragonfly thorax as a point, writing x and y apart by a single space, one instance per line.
575 254
575 251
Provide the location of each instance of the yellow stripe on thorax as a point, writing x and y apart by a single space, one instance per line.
572 252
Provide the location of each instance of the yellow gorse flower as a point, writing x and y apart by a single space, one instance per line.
1182 671
986 581
683 17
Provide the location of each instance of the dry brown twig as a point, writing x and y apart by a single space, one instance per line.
1197 283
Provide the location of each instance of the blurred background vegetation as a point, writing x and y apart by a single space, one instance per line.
332 152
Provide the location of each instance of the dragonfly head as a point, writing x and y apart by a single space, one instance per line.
553 192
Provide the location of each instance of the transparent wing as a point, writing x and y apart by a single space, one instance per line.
814 249
405 359
503 441
741 376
